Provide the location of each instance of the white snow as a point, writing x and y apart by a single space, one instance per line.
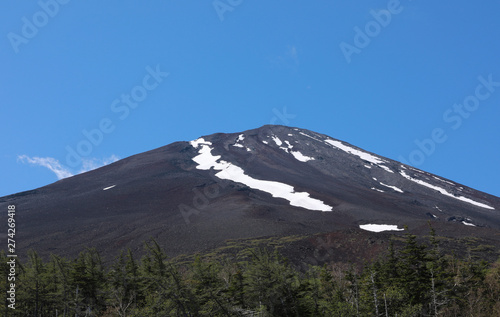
277 140
109 187
379 190
442 180
287 148
199 141
301 157
363 155
248 150
444 192
241 137
229 171
438 208
265 142
289 134
386 168
380 228
468 224
393 187
368 166
433 215
307 135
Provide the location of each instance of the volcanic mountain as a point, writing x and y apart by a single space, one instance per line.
270 182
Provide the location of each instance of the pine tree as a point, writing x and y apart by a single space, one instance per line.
33 284
271 284
414 275
122 283
88 282
209 288
168 292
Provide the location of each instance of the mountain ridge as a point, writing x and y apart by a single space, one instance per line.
195 195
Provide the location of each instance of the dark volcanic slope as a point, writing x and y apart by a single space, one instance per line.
183 196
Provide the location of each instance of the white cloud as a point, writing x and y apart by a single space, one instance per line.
62 171
93 163
48 162
289 59
292 53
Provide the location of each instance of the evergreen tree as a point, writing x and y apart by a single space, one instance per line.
88 281
414 276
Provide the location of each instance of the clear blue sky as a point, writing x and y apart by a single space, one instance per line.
377 79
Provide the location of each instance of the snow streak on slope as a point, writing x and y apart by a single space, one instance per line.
380 228
296 154
307 135
301 157
444 192
277 140
393 187
468 224
288 148
228 171
363 155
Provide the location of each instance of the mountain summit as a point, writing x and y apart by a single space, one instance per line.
274 181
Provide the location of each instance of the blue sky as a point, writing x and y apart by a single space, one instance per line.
417 81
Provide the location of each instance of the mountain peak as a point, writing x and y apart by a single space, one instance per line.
270 181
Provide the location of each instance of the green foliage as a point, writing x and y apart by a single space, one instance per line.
415 280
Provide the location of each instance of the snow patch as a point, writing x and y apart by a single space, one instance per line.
238 145
229 171
368 166
442 180
301 157
444 192
241 137
468 224
277 140
199 141
386 168
393 187
265 142
109 187
307 135
379 190
363 155
380 228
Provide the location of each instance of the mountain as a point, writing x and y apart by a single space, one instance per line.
271 182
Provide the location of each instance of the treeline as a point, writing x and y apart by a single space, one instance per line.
415 280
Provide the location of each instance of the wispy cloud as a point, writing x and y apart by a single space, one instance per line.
62 171
48 162
293 55
93 163
289 59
